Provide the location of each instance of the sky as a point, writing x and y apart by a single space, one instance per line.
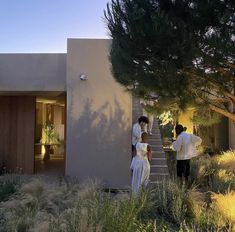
43 26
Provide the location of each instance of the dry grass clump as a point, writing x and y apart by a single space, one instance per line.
227 160
32 206
225 205
201 169
189 209
214 174
196 202
168 206
71 207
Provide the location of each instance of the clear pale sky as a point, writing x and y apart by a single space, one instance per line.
44 25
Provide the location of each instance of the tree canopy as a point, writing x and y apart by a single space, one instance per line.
183 50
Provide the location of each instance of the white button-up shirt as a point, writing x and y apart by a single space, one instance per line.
136 133
185 145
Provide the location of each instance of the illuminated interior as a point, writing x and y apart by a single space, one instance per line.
49 135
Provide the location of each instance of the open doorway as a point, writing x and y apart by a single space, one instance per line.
50 135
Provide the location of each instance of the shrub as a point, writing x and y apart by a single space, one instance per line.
175 202
201 170
9 184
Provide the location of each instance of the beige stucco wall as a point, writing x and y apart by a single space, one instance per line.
98 116
32 72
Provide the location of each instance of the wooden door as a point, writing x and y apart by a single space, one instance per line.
17 127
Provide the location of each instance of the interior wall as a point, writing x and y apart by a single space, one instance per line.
59 127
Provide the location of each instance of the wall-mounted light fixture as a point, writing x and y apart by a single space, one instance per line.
83 77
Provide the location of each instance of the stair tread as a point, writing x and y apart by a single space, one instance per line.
159 174
156 158
159 165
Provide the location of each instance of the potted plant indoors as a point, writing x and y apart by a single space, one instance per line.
50 138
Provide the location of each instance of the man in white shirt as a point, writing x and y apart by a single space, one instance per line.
137 130
185 146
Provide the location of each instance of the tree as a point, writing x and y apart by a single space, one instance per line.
183 50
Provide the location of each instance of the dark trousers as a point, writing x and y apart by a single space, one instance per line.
183 168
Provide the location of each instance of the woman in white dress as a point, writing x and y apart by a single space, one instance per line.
140 165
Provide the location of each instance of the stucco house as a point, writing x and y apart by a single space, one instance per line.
71 103
65 113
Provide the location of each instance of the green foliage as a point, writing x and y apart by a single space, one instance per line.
171 201
181 50
205 117
50 136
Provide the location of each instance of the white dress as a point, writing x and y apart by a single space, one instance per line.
140 167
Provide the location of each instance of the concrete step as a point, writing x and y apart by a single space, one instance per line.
156 133
158 168
154 139
158 161
156 146
155 136
158 156
158 177
158 153
154 182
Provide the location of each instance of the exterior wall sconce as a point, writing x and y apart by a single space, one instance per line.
83 77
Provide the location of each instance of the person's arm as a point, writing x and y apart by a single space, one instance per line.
196 140
149 153
177 144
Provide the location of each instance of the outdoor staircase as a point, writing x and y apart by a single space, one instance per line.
159 169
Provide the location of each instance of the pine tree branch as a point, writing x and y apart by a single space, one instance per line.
218 109
223 112
216 98
215 85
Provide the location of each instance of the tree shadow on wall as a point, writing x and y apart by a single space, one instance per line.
102 139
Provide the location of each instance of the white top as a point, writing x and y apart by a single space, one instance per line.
185 145
136 133
142 150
